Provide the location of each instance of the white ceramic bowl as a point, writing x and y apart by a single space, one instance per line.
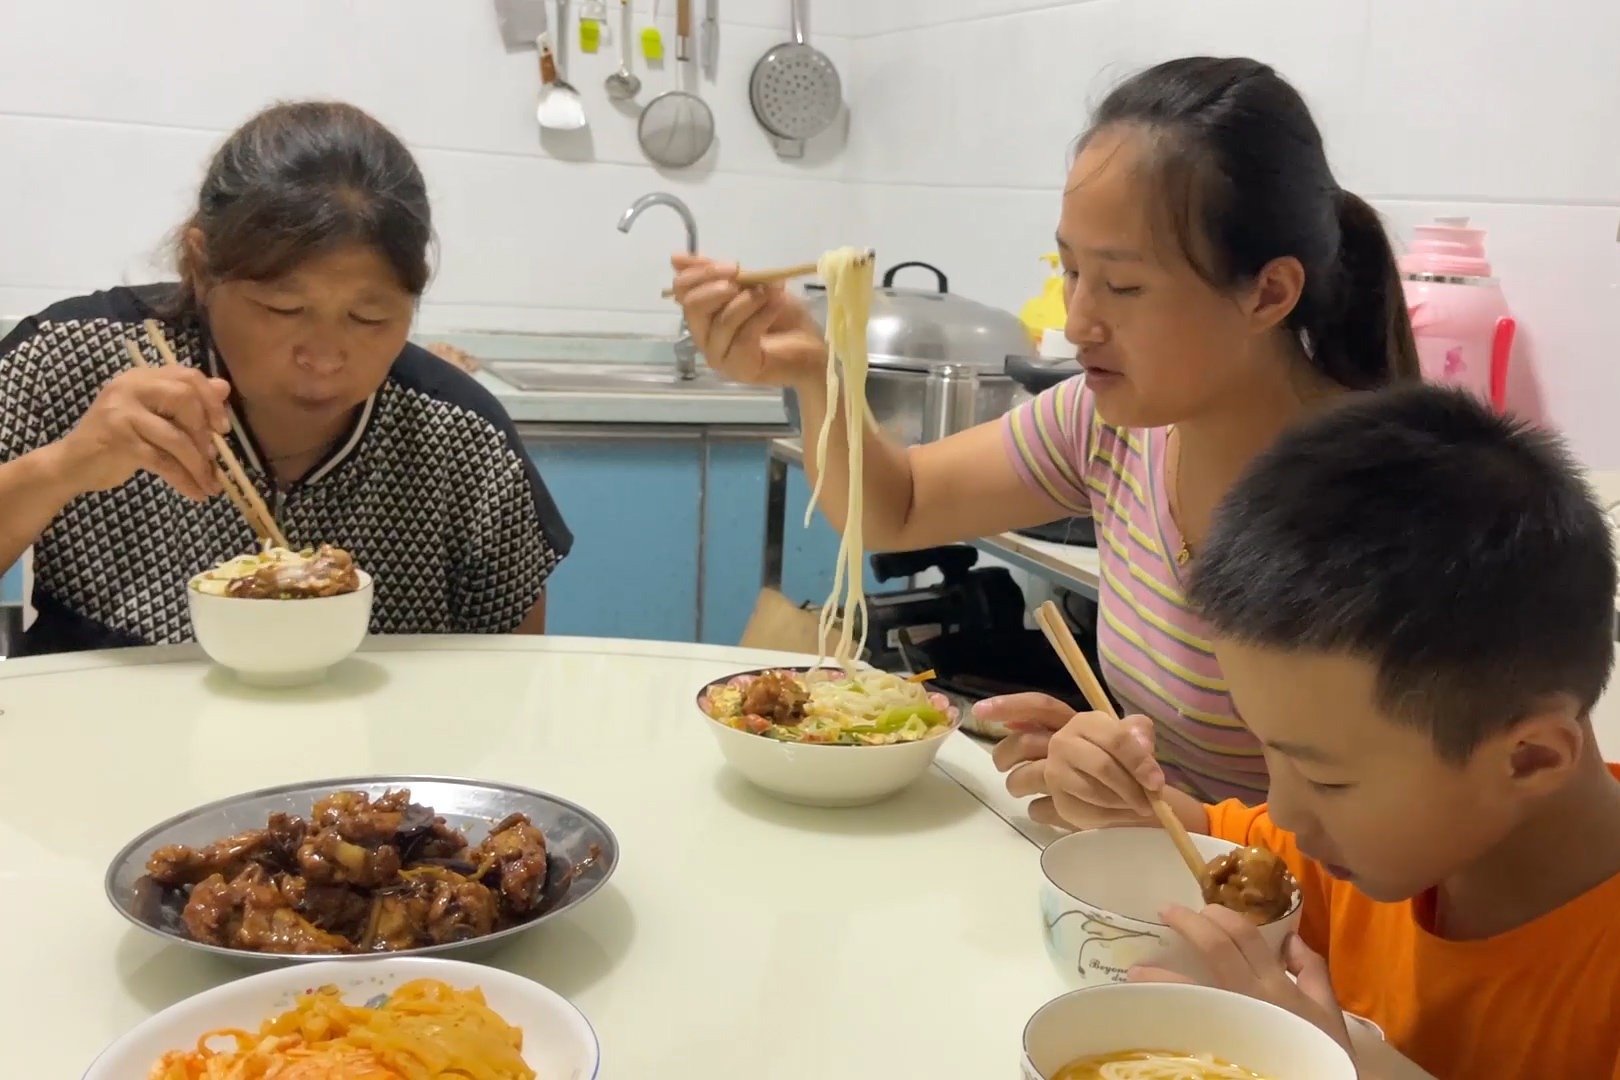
819 775
281 642
558 1042
1247 1032
1101 894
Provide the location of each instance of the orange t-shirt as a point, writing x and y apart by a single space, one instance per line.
1539 1001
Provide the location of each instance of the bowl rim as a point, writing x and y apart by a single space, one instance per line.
1046 875
304 960
351 970
363 587
1191 989
954 726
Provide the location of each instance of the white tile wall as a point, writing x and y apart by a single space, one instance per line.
963 109
961 114
109 112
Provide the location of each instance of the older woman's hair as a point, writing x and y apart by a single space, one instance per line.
297 181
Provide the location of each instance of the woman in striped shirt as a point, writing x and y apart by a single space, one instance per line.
1220 287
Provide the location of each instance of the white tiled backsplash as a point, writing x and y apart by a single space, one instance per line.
962 112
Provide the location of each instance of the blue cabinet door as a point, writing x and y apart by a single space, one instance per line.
809 553
633 507
733 536
11 585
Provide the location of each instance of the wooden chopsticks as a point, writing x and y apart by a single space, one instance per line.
1068 650
750 278
232 477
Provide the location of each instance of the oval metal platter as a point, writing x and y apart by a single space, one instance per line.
582 853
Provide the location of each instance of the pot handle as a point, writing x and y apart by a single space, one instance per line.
1036 375
942 284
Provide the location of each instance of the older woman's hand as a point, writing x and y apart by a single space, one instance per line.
160 421
456 357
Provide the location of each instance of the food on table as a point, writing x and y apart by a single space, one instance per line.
847 273
423 1029
1153 1065
358 876
826 705
278 573
1252 881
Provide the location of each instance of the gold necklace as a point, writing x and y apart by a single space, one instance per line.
1183 553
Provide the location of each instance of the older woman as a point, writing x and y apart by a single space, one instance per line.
300 271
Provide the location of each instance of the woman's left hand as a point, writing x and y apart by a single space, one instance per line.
1240 960
451 355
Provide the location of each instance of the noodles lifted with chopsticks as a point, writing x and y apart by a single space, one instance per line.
847 273
426 1029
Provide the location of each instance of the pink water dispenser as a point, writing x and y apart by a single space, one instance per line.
1459 317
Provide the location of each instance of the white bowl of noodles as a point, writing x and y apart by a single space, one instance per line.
858 741
1180 1030
279 639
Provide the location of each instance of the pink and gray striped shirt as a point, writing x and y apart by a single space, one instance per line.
1155 651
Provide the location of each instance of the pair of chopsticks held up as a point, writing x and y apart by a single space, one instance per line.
227 469
750 278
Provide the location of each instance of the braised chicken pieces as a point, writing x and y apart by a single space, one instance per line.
326 571
1252 881
360 875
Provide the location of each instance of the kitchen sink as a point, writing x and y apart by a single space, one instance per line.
573 376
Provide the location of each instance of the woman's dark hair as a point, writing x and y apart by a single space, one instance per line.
1234 151
301 179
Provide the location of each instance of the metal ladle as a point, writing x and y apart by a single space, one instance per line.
623 84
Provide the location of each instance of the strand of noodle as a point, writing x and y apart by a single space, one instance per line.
1172 1067
848 276
829 419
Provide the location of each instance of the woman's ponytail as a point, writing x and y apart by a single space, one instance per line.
1360 335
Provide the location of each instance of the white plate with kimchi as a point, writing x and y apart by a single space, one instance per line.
822 737
375 1020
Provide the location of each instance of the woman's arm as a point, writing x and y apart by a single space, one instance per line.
958 488
33 490
535 621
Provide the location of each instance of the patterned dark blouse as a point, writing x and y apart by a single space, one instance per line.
431 491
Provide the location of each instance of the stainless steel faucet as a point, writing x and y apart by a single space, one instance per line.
685 348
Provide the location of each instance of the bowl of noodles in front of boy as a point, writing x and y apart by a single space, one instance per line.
1102 891
1168 1031
822 736
280 617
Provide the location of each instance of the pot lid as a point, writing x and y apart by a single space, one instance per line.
911 329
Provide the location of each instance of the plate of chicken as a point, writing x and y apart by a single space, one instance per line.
406 865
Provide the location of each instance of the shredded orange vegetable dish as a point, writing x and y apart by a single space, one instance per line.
424 1030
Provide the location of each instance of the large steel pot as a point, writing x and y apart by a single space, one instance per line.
937 359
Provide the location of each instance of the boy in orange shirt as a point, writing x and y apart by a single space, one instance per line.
1414 604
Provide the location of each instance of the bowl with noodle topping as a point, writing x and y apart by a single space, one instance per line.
280 617
380 1018
1146 1031
822 736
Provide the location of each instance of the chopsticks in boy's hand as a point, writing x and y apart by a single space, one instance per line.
1062 640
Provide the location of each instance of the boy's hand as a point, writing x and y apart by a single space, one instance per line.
1240 960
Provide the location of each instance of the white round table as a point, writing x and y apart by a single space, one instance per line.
740 937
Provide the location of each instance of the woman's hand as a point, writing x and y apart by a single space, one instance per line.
157 420
1089 769
453 356
752 335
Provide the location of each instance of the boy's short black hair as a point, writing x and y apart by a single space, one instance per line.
1459 552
